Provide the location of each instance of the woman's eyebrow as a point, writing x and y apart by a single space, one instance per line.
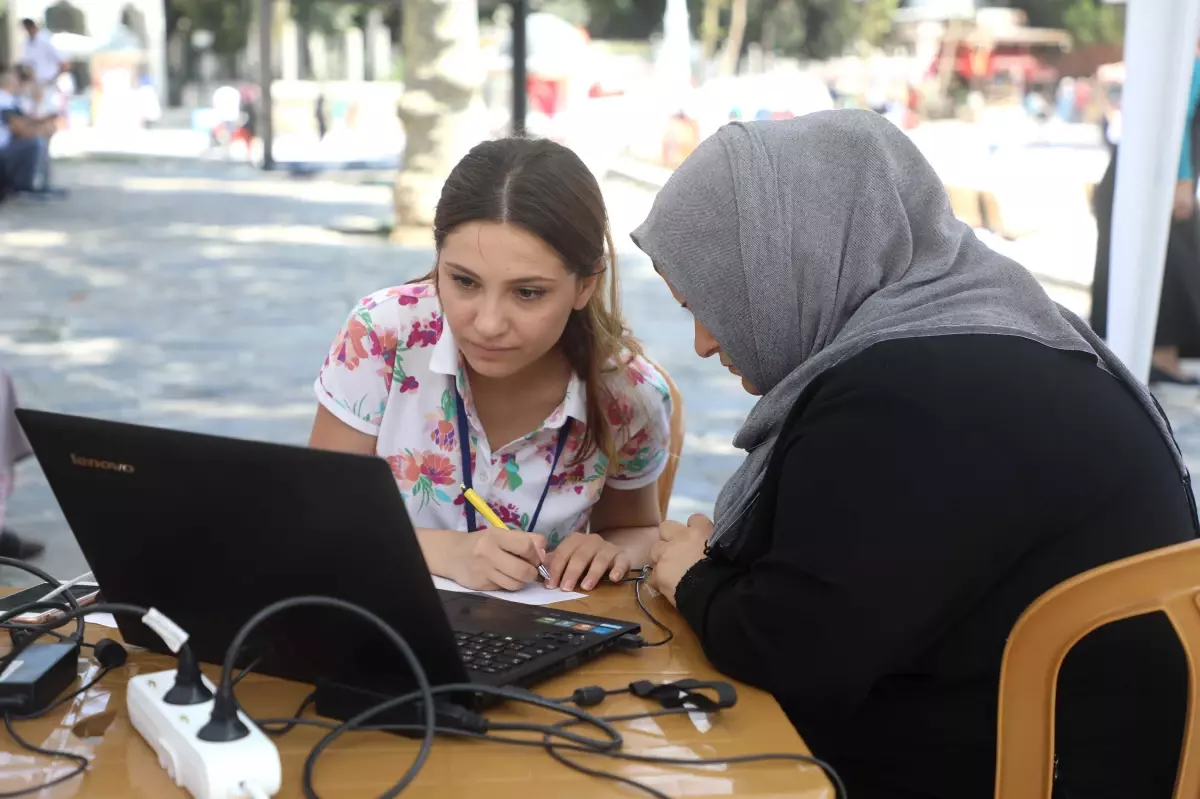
515 281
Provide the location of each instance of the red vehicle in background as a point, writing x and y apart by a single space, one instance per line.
974 64
997 51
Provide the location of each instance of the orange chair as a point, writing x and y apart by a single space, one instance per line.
1166 579
666 481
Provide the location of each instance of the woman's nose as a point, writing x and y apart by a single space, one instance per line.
706 343
489 319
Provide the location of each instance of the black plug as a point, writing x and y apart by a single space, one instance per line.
189 687
590 696
687 693
18 635
457 717
109 653
224 725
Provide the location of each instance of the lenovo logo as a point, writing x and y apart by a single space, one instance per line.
92 463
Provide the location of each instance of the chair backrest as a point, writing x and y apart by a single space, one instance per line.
1166 579
666 481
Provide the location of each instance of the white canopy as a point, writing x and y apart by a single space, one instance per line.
1160 47
74 45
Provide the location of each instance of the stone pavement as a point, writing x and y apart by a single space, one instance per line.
203 296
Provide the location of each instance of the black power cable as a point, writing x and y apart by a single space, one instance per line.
569 743
62 700
287 725
42 574
477 724
32 633
638 581
19 628
555 738
81 762
637 594
839 786
38 630
35 632
225 725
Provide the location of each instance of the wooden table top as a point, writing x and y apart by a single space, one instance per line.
365 764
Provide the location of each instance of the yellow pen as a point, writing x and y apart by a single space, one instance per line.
490 516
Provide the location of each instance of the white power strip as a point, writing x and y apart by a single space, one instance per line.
247 768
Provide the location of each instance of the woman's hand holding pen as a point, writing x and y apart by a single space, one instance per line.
495 559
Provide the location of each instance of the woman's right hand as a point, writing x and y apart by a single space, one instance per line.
492 559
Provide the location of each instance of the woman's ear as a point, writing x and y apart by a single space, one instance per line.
587 287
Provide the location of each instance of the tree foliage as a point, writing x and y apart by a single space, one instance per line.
805 28
226 20
822 28
1088 21
802 28
1091 23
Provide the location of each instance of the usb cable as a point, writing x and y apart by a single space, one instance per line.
636 641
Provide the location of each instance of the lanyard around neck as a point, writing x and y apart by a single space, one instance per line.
464 444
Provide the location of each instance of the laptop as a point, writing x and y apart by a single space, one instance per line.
210 530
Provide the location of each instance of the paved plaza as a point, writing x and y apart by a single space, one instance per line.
203 296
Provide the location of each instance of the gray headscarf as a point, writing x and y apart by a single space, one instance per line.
800 243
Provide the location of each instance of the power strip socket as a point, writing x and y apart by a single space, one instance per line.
207 770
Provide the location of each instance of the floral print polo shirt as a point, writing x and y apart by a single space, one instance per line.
391 373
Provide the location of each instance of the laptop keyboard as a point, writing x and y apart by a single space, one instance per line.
494 654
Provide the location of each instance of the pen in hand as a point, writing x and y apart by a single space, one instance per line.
490 516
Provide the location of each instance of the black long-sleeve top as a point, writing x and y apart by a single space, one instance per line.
921 495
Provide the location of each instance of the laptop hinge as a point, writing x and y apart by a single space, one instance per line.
343 702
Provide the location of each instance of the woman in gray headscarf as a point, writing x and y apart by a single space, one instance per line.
937 444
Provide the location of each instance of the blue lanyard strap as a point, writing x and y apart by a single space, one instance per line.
464 443
464 439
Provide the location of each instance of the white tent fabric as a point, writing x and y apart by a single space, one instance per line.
1160 46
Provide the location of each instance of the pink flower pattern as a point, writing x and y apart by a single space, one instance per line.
380 378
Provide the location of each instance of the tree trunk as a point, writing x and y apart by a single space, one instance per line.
942 104
441 108
709 25
733 42
768 35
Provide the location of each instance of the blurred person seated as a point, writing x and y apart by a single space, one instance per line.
23 88
45 63
937 444
23 140
45 107
31 100
13 448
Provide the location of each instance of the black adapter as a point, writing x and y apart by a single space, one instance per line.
38 676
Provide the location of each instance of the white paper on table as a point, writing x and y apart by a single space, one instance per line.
102 619
532 594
